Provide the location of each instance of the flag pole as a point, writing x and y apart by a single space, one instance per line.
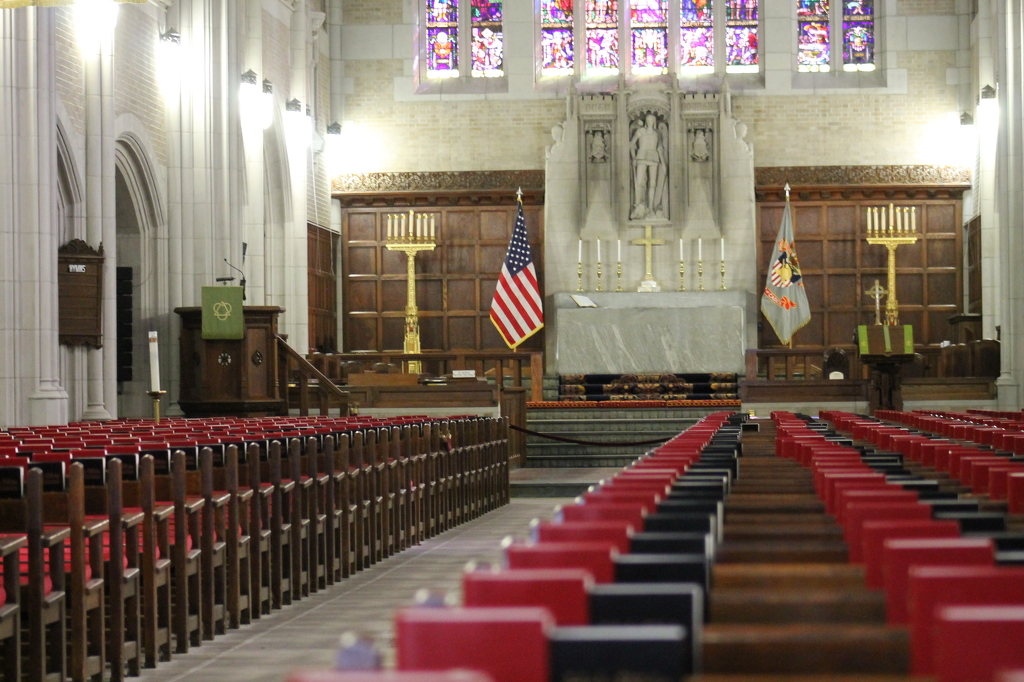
519 201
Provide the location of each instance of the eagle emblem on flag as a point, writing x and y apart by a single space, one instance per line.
784 302
786 269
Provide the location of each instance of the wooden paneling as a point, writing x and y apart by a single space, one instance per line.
454 282
972 239
839 265
322 245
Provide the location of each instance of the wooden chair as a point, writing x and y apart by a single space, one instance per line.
301 533
199 484
317 510
42 599
124 591
339 530
260 535
280 531
154 561
185 545
238 540
10 607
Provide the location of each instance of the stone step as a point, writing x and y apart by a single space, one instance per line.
630 437
586 413
559 460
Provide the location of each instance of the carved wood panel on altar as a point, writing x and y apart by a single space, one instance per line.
322 245
454 283
838 265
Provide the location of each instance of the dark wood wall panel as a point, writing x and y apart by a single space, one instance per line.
322 245
454 282
839 265
972 239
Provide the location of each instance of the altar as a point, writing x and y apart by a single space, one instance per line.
679 331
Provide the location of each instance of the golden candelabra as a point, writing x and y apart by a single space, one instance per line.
722 270
700 275
618 274
901 229
682 276
410 237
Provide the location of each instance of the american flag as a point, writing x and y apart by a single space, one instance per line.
517 310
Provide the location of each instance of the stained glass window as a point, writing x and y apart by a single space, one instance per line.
443 38
697 36
648 23
556 34
485 18
741 39
858 35
813 35
602 19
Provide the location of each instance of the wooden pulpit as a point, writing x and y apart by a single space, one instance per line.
885 349
230 377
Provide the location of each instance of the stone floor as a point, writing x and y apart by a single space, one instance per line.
306 634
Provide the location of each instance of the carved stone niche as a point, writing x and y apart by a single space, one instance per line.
701 163
649 162
80 294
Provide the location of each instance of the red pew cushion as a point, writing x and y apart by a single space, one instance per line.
561 591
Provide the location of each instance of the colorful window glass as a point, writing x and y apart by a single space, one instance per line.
813 52
697 36
858 35
485 18
648 22
556 37
443 38
741 39
602 19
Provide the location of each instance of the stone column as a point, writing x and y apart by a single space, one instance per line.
295 321
30 390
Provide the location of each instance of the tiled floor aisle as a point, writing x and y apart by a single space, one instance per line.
306 634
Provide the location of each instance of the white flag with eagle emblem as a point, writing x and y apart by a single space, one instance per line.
784 302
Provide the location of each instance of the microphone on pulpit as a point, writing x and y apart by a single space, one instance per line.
239 272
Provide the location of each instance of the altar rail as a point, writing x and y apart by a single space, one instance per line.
501 363
785 364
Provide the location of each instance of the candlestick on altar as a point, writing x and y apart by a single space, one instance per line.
700 274
154 362
891 238
722 270
420 237
618 274
156 396
579 277
682 275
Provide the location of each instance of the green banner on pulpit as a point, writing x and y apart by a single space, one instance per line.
222 313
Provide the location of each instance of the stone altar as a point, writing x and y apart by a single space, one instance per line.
665 332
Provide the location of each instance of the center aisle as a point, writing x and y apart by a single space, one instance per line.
306 634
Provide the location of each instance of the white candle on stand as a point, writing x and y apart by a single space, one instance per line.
723 247
681 259
598 250
618 249
700 249
579 256
154 363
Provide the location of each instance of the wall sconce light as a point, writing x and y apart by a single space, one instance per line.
988 92
966 119
168 63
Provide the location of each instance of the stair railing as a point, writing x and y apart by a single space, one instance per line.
294 371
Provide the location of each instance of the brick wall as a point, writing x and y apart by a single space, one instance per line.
919 7
69 69
136 89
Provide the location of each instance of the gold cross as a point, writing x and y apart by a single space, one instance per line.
877 292
648 241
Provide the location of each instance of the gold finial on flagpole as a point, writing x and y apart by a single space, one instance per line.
787 191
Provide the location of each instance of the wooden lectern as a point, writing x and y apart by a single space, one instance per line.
885 349
230 377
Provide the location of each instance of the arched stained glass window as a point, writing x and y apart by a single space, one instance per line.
487 38
442 39
741 40
602 19
858 35
813 45
648 23
556 37
697 36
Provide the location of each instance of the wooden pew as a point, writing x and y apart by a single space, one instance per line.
10 608
261 536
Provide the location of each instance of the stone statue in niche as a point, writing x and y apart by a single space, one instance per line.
598 147
648 155
699 149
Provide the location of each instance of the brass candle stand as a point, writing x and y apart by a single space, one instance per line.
700 275
722 270
682 276
901 229
599 285
618 275
579 277
410 238
156 396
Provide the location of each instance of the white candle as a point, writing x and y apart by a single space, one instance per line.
618 249
700 249
883 218
154 363
869 220
402 230
431 226
390 217
681 259
892 218
913 219
899 219
723 248
579 253
598 250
